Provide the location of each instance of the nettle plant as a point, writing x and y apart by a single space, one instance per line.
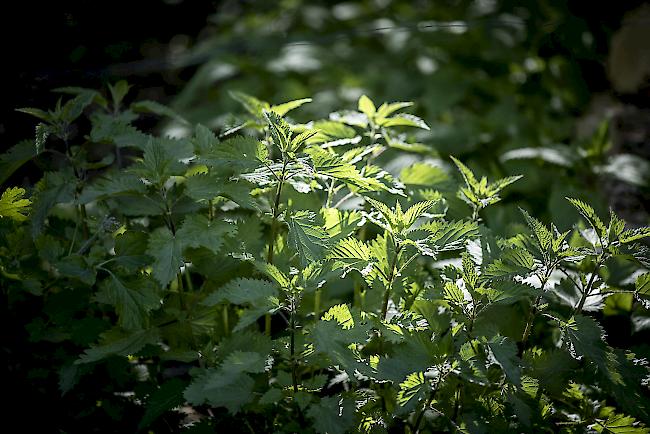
282 280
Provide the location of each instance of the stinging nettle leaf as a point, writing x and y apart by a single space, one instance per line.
242 291
117 343
366 106
198 231
168 396
590 215
284 108
310 241
352 254
132 303
13 205
166 249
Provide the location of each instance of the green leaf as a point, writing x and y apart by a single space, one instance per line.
454 295
467 174
112 184
243 361
13 205
445 236
642 284
299 141
331 165
42 132
502 183
404 120
505 353
242 291
119 91
392 218
366 106
274 273
544 236
619 424
76 267
156 108
280 131
14 158
236 155
585 338
513 262
387 109
157 164
560 155
351 254
117 343
415 211
413 389
340 224
198 231
284 108
166 249
331 415
590 215
166 397
310 241
341 314
634 235
253 105
73 108
52 189
642 289
37 113
220 389
130 250
132 303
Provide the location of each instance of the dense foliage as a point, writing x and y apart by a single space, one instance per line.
279 276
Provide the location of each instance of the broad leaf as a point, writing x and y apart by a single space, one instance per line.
166 249
310 241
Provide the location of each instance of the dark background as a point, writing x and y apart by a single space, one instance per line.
51 44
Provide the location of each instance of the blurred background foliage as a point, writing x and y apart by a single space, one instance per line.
557 91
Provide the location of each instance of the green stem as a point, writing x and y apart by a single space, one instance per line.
533 312
475 216
317 297
226 325
274 223
330 194
292 345
84 220
457 399
181 296
391 278
418 420
276 213
587 290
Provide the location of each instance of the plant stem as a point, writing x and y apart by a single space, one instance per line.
84 220
391 278
529 321
418 420
475 216
276 213
587 290
226 325
181 296
330 193
317 296
274 223
531 315
292 345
